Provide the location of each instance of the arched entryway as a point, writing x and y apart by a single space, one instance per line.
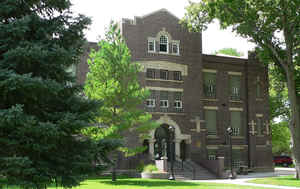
165 122
163 144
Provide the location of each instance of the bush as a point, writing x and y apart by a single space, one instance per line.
150 168
140 167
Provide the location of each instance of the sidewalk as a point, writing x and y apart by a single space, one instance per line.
242 179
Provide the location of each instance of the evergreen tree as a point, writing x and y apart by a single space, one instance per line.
42 114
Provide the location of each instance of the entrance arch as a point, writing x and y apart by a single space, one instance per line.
166 120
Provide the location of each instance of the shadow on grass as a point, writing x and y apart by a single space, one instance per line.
147 182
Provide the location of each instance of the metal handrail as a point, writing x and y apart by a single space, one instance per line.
190 168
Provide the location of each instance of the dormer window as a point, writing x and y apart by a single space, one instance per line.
151 45
163 44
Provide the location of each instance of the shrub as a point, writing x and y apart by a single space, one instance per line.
150 168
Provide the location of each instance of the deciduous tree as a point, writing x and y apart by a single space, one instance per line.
274 26
113 79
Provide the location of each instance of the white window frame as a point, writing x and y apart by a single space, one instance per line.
164 101
167 44
176 102
151 104
212 157
177 47
154 45
235 131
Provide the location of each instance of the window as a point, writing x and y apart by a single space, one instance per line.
178 104
211 121
163 44
150 103
235 87
237 157
164 101
151 45
178 101
164 74
212 154
258 88
259 124
175 48
177 75
150 73
236 122
210 85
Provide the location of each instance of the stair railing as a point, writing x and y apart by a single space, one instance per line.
187 167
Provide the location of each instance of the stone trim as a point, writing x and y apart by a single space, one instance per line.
165 89
236 101
235 73
212 147
236 109
209 70
164 65
212 137
174 81
238 147
238 137
170 113
261 146
259 115
212 100
211 108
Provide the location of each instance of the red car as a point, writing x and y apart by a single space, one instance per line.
283 160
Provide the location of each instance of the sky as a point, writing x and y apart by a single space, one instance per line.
103 11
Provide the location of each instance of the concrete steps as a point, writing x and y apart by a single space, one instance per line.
191 171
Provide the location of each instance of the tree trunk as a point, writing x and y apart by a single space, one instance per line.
295 118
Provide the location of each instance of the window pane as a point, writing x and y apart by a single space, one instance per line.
150 73
235 87
177 75
151 45
236 122
163 43
210 85
211 121
164 74
175 48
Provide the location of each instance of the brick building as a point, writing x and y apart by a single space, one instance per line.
200 95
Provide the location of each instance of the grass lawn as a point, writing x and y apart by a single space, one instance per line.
280 181
136 183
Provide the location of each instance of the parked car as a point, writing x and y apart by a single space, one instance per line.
284 161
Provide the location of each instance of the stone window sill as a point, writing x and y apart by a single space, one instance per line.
238 137
212 137
210 99
175 81
236 101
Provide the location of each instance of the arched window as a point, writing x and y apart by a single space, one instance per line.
163 44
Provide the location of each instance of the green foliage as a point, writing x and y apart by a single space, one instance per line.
281 138
41 113
273 25
140 167
278 96
150 168
230 52
113 79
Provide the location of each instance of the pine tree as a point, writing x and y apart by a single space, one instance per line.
42 114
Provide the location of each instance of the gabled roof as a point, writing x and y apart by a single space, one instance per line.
157 11
133 21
